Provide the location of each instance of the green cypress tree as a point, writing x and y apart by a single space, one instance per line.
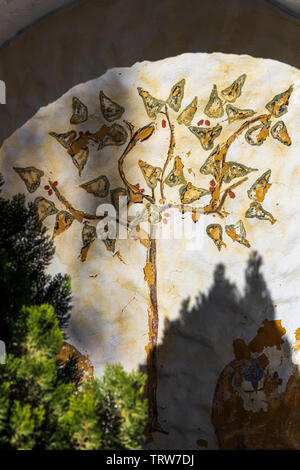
25 254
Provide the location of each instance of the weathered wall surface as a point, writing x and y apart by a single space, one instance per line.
228 318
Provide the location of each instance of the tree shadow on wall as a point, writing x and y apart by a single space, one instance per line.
225 374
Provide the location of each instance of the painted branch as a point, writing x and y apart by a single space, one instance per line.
169 156
78 215
226 192
139 136
213 205
261 117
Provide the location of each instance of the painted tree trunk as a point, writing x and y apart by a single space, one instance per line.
150 272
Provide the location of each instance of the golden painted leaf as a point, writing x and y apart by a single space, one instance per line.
214 107
237 233
144 133
212 165
107 235
186 116
206 135
234 90
63 221
80 159
176 176
81 143
153 214
176 95
99 187
66 139
280 132
279 104
106 135
80 111
152 105
256 210
190 193
256 135
116 135
260 187
43 208
134 195
236 170
110 244
234 113
110 109
215 231
89 235
150 173
31 177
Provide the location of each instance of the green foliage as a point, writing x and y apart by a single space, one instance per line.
109 413
25 254
126 390
41 409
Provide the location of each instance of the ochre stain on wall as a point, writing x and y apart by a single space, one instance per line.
297 336
270 334
202 443
252 409
84 365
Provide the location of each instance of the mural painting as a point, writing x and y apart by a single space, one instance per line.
172 147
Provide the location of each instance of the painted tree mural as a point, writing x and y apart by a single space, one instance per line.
222 179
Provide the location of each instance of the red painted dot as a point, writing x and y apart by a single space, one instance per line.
165 221
211 188
55 183
199 123
163 123
50 192
138 185
167 214
212 183
231 194
142 190
47 187
207 122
